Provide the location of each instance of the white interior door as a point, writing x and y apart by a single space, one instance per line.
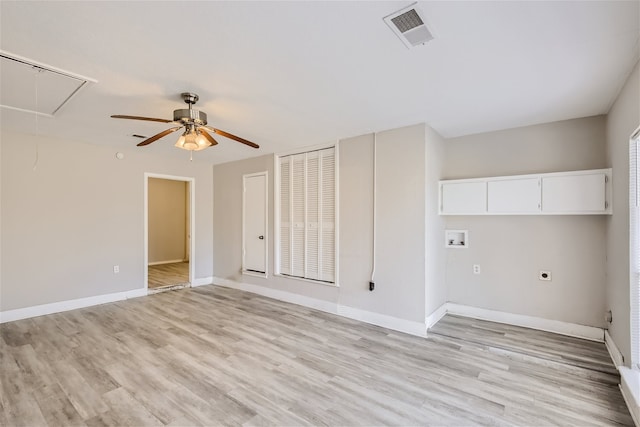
254 246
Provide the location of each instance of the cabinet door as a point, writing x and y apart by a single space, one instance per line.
464 198
583 193
513 196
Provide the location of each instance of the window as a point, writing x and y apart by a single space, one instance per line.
634 245
306 217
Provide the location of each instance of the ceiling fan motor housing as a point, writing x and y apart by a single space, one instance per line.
185 116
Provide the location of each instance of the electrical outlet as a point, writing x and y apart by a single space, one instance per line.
544 275
116 269
476 268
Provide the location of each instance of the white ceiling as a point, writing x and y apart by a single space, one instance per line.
287 74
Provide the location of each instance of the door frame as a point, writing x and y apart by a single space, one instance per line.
192 222
266 223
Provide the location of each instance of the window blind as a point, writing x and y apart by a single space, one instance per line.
307 215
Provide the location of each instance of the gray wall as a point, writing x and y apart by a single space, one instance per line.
512 249
167 210
435 253
623 119
227 234
400 256
400 271
67 223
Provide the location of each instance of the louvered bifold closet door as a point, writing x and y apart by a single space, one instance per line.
298 214
328 214
285 215
308 215
312 237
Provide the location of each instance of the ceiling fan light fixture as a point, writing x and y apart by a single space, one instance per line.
196 136
192 141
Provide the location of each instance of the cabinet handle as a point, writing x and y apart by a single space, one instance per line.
261 237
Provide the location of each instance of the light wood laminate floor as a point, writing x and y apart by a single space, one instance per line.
217 356
162 275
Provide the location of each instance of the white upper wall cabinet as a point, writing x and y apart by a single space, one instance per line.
574 193
513 196
563 193
463 197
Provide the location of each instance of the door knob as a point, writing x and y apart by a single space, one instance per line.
261 237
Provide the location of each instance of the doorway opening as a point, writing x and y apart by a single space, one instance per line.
169 230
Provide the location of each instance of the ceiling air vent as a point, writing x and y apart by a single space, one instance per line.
34 87
409 25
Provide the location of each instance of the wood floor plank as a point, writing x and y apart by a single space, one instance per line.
56 408
171 274
127 410
217 356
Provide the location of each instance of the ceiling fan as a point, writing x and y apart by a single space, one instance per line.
196 135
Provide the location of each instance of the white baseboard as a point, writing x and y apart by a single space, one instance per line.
327 306
614 352
564 328
389 322
630 388
434 317
57 307
171 261
201 281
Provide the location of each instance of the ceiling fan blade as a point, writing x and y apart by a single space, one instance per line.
208 136
148 119
158 136
235 138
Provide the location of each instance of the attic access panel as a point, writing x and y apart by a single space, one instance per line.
33 87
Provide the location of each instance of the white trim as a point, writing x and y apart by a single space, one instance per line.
374 210
336 214
326 306
630 388
171 261
389 322
302 150
614 352
435 317
202 281
564 328
85 82
58 307
276 214
635 134
266 222
255 274
634 248
192 222
304 279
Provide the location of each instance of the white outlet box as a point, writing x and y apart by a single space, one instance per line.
544 275
116 269
476 268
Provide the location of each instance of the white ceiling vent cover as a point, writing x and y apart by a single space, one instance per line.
18 84
409 25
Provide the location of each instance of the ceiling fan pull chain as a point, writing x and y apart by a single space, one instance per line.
191 155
